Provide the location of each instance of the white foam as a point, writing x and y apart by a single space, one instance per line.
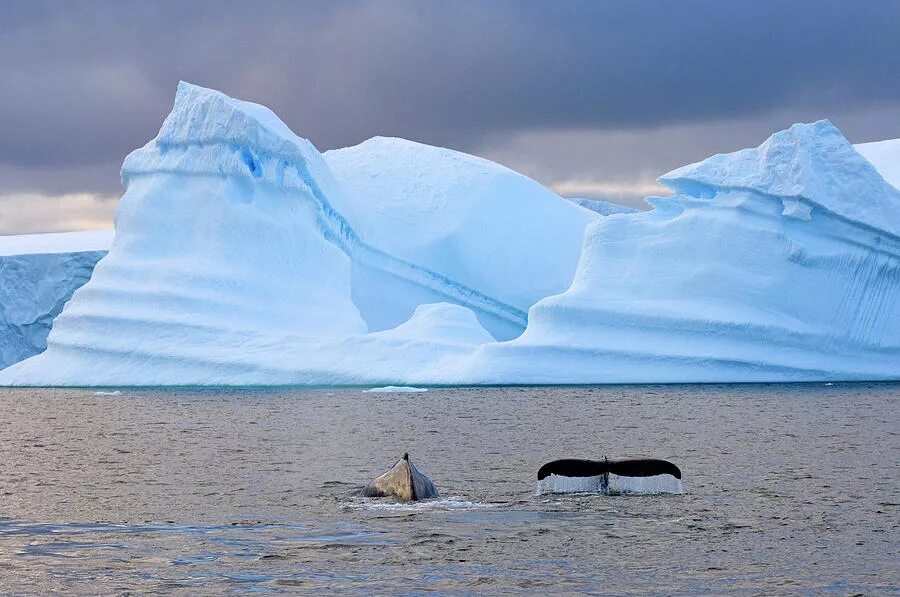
560 484
451 503
610 485
654 484
113 393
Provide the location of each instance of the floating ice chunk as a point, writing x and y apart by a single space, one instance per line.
395 390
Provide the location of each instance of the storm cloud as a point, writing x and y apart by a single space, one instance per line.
566 91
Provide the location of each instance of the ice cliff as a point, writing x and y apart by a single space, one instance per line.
38 274
243 256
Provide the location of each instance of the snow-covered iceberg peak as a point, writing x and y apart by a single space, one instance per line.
209 133
775 263
807 164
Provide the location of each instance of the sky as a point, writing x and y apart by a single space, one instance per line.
591 98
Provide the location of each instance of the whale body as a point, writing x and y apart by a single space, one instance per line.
402 481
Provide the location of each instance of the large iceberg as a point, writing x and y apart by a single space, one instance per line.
38 274
243 256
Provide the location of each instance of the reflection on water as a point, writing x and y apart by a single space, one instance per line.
787 489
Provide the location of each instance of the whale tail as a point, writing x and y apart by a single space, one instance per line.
616 476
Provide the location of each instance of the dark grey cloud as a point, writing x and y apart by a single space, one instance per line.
84 83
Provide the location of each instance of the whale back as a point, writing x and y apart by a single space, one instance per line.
402 481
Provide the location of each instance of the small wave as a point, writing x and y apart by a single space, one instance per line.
113 393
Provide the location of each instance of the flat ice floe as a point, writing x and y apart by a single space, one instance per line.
396 390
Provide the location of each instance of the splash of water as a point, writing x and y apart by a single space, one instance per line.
610 485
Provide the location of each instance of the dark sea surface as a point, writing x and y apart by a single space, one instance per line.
789 489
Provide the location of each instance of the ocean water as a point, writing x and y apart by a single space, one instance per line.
788 489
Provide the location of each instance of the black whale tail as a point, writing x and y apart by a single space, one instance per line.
624 467
621 475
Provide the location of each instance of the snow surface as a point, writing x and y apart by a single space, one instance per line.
236 261
604 208
885 156
477 222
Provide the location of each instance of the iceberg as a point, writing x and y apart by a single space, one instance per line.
395 390
38 274
779 263
244 256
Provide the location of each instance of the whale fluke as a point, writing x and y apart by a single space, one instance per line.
624 467
402 481
620 475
